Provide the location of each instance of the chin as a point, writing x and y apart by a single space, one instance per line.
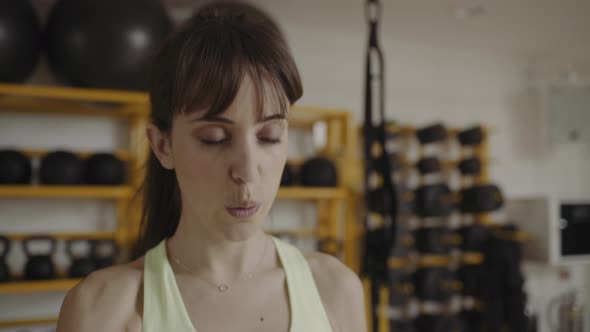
243 231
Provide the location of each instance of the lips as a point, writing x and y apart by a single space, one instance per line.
243 212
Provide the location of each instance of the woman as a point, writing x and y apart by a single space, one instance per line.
222 87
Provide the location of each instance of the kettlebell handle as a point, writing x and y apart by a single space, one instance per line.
5 245
71 242
94 253
27 242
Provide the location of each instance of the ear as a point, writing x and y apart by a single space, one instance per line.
161 145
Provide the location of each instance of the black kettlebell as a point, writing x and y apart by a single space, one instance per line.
61 168
82 265
15 168
4 270
104 253
39 266
104 169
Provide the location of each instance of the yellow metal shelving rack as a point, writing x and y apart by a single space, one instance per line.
132 108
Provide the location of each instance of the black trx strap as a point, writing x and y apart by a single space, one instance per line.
379 225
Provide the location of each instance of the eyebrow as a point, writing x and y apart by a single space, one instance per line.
214 118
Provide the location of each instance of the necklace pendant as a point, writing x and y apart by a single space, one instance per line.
222 288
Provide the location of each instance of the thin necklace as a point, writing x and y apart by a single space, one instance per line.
222 287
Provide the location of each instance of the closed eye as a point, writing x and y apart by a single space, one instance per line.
262 139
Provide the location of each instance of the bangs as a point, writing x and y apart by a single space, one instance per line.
214 56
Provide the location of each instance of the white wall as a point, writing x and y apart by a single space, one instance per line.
438 69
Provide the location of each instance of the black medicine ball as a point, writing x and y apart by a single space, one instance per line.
104 169
20 40
15 168
319 172
61 168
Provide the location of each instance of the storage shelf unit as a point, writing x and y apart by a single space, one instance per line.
130 108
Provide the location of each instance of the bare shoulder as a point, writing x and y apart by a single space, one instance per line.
341 291
106 300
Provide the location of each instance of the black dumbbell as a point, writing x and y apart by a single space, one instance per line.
473 237
380 200
473 280
435 200
104 253
428 165
39 266
400 292
404 241
435 284
433 323
435 240
481 199
81 264
470 166
471 136
395 164
5 249
474 320
401 326
432 134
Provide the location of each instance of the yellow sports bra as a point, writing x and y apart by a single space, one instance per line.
163 308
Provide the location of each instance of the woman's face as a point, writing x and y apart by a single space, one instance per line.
228 167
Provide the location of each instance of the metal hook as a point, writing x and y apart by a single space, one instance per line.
373 11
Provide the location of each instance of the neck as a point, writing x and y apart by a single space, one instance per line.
216 256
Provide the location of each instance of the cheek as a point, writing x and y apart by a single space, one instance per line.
193 164
276 164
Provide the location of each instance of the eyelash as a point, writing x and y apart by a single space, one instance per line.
264 140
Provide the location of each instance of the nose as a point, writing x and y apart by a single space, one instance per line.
245 166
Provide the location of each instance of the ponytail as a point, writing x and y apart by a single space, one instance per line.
161 207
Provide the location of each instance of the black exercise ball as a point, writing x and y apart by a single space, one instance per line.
15 168
318 172
62 168
20 40
104 169
106 43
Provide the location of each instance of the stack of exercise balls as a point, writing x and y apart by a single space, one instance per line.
97 44
313 172
62 168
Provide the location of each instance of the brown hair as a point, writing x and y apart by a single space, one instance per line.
200 67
